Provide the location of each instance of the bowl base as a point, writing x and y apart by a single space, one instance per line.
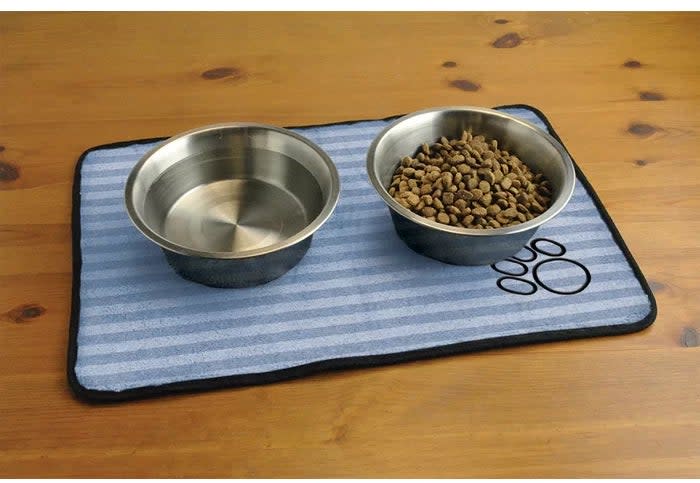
234 215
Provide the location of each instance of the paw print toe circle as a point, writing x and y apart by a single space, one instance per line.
576 276
510 267
517 286
548 247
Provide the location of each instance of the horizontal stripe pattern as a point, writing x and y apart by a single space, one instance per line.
358 291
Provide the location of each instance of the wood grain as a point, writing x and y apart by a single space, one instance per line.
623 91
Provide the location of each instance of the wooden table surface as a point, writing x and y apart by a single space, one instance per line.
623 91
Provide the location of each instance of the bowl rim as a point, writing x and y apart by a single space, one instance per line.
553 210
308 230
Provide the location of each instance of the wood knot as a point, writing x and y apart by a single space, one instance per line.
26 312
641 162
690 337
632 64
641 130
507 41
449 64
8 172
222 72
465 85
651 96
2 148
500 21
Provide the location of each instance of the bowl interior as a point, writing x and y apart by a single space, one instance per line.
231 189
539 151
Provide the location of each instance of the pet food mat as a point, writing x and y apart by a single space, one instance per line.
358 298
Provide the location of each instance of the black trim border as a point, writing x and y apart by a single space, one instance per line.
96 396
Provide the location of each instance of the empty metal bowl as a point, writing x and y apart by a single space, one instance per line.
233 205
456 245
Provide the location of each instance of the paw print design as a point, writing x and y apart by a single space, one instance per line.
544 259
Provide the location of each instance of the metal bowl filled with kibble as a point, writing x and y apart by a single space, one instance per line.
469 185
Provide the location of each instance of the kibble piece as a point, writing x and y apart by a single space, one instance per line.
453 219
476 194
413 199
427 199
464 195
429 211
510 212
502 219
493 210
438 204
506 183
472 183
486 199
443 218
484 186
479 211
460 203
494 224
448 198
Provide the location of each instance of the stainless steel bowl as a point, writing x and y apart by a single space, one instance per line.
233 205
456 245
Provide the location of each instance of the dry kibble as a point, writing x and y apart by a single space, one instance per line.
486 199
453 210
493 210
510 212
413 199
463 194
479 211
468 182
460 203
428 211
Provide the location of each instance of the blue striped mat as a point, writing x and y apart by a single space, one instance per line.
359 297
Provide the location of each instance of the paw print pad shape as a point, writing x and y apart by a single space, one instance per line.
544 260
